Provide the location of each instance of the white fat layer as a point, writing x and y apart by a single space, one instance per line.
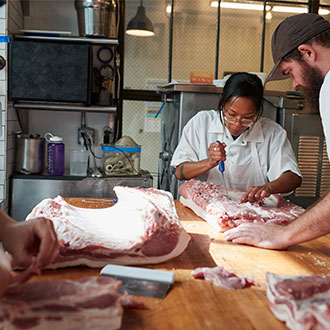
210 219
317 305
122 228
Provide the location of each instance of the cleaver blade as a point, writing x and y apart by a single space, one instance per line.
140 281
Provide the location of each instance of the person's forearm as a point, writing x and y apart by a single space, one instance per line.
189 170
5 220
287 182
311 224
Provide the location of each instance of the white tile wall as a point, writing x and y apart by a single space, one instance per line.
3 117
11 21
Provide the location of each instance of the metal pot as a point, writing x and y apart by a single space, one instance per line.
30 153
94 17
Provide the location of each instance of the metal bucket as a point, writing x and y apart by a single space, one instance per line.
94 17
30 154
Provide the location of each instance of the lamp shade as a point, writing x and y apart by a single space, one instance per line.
140 25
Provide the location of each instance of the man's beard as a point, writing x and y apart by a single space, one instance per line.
313 82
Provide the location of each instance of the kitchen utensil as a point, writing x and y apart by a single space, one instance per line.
222 169
140 281
94 17
30 151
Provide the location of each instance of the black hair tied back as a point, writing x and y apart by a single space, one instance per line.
243 84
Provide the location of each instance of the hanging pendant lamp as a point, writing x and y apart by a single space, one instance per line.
140 25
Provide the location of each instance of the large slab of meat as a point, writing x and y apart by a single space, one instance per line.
223 278
87 303
222 212
301 301
141 228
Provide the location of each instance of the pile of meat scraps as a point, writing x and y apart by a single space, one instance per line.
87 303
301 301
218 276
141 228
222 212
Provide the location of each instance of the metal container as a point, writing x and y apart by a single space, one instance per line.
30 153
94 17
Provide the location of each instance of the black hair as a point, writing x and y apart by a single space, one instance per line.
322 38
243 84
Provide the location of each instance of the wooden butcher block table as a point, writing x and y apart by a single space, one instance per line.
197 304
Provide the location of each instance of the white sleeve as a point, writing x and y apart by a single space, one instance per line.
325 110
281 156
187 148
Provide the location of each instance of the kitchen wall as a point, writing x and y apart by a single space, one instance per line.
11 21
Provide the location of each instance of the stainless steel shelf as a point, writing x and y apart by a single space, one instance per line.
105 41
64 107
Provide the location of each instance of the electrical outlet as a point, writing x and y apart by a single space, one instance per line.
88 132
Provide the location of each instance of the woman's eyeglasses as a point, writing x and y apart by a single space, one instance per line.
233 119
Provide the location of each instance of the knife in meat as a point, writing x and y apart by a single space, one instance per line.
222 169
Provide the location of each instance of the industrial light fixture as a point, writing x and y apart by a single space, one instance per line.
251 6
238 5
297 10
140 25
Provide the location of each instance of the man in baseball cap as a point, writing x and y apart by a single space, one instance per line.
301 52
290 34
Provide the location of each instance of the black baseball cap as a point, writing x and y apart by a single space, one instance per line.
292 32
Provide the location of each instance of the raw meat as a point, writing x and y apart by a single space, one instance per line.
225 279
223 212
87 303
141 228
301 301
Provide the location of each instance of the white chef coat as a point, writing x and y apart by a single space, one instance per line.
324 100
259 155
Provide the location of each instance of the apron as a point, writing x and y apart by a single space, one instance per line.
240 177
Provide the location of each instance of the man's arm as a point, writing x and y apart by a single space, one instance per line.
315 222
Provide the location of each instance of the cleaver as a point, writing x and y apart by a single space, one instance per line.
140 281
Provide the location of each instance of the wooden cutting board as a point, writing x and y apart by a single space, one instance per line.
197 304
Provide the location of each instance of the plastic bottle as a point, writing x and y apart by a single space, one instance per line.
55 154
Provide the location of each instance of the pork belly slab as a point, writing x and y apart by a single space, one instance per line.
84 304
301 301
141 228
222 212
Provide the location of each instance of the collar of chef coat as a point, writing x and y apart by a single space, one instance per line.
253 134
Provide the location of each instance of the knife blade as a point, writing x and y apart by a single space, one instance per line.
222 169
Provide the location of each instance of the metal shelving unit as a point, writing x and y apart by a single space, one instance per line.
64 107
97 41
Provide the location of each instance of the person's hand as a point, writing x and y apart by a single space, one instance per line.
256 193
217 153
35 237
6 276
264 235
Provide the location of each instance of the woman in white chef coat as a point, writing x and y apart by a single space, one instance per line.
257 154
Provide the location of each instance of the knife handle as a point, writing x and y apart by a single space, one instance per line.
221 166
